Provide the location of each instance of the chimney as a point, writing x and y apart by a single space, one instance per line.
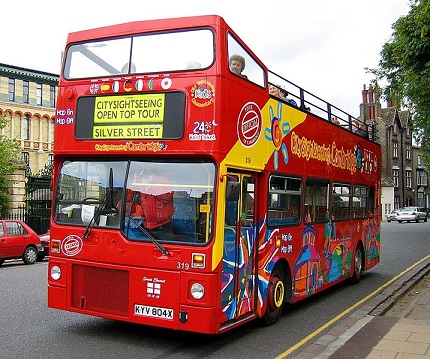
364 94
370 94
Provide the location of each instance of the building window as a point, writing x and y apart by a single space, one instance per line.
52 96
26 158
39 94
408 179
25 91
419 163
50 159
387 208
396 202
420 199
51 132
26 127
422 178
395 149
11 89
408 152
396 178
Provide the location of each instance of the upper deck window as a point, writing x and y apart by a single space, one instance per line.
160 52
242 64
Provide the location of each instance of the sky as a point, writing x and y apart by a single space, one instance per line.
323 46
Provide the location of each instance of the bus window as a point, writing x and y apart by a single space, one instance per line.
248 199
285 198
174 52
371 201
359 202
341 201
96 59
169 200
250 69
87 188
316 200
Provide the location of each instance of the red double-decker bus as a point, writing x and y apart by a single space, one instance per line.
196 190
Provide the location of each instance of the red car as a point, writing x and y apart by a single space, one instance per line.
45 239
18 240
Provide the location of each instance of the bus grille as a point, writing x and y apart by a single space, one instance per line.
101 290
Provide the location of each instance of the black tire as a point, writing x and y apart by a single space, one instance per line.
30 255
357 265
417 219
400 221
388 220
275 295
425 219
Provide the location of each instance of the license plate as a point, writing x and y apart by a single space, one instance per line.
154 312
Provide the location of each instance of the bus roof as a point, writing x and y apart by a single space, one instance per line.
146 26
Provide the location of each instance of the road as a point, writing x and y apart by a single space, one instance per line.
31 330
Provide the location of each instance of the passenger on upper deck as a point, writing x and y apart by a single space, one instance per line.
335 120
359 129
276 90
236 64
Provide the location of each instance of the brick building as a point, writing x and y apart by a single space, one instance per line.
404 176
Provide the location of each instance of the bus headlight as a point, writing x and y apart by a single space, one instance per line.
55 272
197 291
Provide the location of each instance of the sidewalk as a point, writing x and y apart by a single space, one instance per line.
394 324
409 337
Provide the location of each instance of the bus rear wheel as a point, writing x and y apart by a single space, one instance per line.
358 265
275 295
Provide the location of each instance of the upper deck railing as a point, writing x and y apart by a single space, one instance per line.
306 101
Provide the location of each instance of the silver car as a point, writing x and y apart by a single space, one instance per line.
392 215
411 214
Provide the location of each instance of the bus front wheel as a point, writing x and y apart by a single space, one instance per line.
275 295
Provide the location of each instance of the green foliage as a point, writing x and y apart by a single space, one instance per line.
9 162
405 65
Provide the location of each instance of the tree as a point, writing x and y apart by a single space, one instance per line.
405 65
9 161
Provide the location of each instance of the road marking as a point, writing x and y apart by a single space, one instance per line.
345 312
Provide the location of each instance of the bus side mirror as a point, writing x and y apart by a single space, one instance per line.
233 191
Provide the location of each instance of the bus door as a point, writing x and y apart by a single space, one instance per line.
240 238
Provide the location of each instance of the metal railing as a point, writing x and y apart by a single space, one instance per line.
308 102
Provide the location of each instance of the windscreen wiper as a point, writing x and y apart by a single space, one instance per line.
107 203
104 205
148 234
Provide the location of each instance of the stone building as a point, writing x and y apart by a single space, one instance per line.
27 100
402 176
